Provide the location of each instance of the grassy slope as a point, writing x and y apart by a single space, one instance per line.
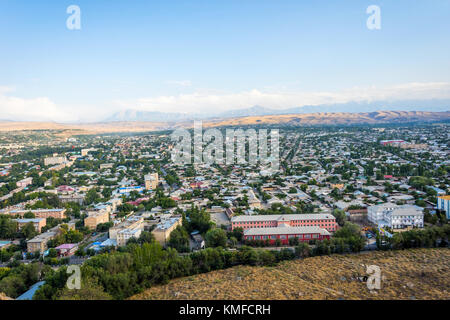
408 274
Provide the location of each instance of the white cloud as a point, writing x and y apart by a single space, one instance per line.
207 101
211 101
34 109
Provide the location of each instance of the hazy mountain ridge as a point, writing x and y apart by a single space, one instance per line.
322 118
432 105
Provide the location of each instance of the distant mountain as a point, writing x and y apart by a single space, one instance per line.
350 107
333 118
282 120
153 116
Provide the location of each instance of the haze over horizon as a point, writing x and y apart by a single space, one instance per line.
216 58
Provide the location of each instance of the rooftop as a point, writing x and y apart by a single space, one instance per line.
284 217
285 230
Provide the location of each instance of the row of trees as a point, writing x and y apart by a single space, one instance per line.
121 274
436 236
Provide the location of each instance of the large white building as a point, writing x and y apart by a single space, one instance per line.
54 160
395 216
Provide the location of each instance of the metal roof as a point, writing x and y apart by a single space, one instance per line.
284 230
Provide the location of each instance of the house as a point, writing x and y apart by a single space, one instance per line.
199 242
151 181
66 250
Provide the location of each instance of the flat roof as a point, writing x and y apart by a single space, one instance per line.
35 220
283 217
284 230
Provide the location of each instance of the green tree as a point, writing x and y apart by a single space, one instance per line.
179 239
216 238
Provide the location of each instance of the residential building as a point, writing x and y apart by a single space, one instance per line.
41 213
151 181
24 182
95 218
127 226
443 203
38 223
66 250
39 243
165 227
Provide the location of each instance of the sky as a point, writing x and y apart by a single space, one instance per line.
203 55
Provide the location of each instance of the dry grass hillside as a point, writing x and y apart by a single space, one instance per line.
408 274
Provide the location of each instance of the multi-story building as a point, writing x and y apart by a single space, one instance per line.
122 232
41 213
322 220
126 234
78 198
39 243
151 181
95 218
284 233
165 227
443 203
24 182
38 223
395 216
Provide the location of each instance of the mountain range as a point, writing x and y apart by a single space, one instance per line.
282 120
350 107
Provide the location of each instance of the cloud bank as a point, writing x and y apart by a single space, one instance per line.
207 101
44 109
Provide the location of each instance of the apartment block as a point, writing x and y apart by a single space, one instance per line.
165 227
151 181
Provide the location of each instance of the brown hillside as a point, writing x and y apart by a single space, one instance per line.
408 274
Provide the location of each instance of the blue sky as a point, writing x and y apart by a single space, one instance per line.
192 56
